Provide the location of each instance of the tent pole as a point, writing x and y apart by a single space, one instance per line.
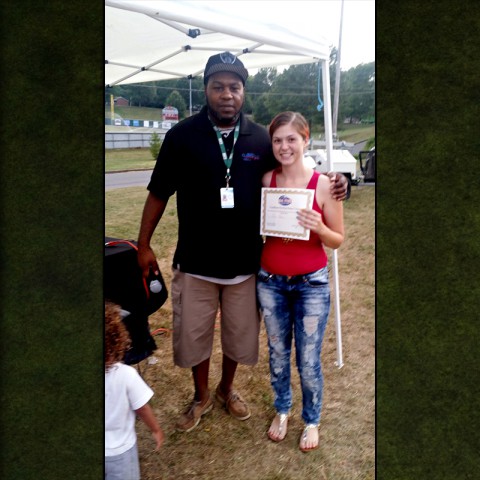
190 83
337 79
327 111
338 325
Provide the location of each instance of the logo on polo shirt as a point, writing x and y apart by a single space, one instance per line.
250 157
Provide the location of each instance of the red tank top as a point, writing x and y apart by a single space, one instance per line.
294 257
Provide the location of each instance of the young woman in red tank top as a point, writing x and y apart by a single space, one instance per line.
293 282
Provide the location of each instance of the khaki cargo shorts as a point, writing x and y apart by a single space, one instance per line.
195 304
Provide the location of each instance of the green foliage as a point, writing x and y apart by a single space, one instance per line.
155 94
155 145
248 105
357 92
269 92
296 89
262 81
260 111
370 143
176 100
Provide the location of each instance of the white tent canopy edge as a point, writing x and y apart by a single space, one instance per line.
150 39
176 34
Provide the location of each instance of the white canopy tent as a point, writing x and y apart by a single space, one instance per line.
163 39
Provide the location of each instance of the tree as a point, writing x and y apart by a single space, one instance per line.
176 100
261 82
183 87
261 114
142 95
155 145
357 92
256 86
248 105
296 89
269 92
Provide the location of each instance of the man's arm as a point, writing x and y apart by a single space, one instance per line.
340 189
152 213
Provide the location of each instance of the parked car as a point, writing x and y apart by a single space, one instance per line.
369 170
342 161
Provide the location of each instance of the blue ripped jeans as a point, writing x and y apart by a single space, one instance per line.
296 307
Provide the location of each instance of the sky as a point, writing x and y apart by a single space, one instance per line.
320 17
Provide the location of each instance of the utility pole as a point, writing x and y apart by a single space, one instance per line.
337 79
112 109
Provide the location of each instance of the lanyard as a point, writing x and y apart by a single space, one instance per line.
227 159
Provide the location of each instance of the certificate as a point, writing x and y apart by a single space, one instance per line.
279 212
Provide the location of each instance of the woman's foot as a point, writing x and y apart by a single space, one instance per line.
278 428
309 438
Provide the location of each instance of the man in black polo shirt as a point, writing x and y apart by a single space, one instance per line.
214 162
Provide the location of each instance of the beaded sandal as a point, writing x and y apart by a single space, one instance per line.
304 437
282 427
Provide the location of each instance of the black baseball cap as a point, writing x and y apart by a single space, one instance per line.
225 62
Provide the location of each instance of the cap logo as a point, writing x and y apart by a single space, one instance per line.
227 57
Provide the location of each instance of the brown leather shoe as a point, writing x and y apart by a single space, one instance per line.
234 404
192 415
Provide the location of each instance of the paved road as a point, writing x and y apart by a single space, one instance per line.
140 178
357 147
137 178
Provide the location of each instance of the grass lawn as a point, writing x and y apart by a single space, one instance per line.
135 113
355 133
221 447
120 159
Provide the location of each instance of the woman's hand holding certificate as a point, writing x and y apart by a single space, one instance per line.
279 210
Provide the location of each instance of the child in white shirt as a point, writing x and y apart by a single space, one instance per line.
126 396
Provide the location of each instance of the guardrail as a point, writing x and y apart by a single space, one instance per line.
129 139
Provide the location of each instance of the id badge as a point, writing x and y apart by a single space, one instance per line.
226 197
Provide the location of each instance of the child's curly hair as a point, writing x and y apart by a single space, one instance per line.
117 339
